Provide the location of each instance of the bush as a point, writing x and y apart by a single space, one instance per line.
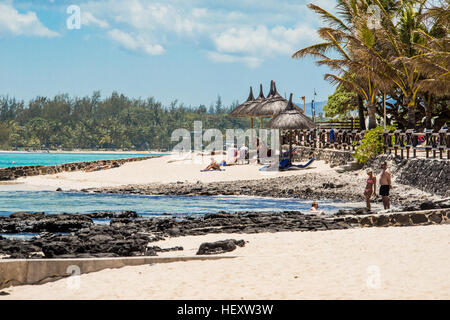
371 144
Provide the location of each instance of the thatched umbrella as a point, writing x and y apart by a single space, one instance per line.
238 110
290 119
273 105
246 111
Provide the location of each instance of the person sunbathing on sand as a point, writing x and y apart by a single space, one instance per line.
98 168
212 166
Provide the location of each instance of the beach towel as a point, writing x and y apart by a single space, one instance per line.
212 170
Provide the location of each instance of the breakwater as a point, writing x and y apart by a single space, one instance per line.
12 173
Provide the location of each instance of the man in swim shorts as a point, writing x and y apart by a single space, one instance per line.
385 185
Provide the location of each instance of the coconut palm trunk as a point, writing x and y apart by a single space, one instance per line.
427 103
362 123
409 103
371 113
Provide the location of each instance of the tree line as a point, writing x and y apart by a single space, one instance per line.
395 51
115 122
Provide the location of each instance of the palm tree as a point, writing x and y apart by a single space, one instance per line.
350 37
399 59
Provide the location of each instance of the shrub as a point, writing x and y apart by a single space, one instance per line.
371 144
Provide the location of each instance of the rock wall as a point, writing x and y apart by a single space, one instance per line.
427 175
398 219
12 173
333 157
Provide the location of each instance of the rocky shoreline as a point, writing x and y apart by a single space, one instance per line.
77 236
313 186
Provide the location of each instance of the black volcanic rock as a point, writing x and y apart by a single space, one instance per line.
218 247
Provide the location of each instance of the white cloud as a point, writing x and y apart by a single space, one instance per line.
261 41
252 62
231 31
28 24
88 19
135 42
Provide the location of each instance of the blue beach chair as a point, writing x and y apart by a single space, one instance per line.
286 164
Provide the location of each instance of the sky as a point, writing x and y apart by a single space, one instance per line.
185 50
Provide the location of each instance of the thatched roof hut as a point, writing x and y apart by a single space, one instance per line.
238 110
291 119
247 110
273 105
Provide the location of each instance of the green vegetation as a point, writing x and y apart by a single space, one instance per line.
371 145
396 48
340 103
112 123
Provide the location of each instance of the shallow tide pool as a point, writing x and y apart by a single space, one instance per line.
148 205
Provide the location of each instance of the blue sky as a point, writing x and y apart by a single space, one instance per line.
190 50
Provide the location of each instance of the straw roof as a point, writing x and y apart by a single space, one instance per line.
273 105
291 119
246 111
237 111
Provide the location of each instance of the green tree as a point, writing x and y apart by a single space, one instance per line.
341 102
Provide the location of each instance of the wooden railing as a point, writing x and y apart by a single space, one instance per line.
405 144
351 124
321 138
428 143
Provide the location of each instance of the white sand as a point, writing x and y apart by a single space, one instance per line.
373 263
157 171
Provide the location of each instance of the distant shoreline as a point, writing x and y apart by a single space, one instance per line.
87 151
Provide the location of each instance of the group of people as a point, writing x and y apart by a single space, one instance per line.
385 186
371 189
234 156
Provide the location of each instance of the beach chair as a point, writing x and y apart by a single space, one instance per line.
286 154
289 164
286 164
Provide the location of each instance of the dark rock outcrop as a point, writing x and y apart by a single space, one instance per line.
219 246
131 236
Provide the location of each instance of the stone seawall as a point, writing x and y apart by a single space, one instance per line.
12 173
398 219
332 157
427 175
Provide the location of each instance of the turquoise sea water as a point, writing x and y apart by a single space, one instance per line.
58 202
14 159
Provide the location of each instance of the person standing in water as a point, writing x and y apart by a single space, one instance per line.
385 185
371 187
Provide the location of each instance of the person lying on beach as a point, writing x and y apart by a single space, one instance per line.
371 187
315 208
212 166
98 168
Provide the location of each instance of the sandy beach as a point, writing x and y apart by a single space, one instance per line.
373 263
162 171
158 170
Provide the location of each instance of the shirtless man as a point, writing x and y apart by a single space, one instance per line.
385 185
